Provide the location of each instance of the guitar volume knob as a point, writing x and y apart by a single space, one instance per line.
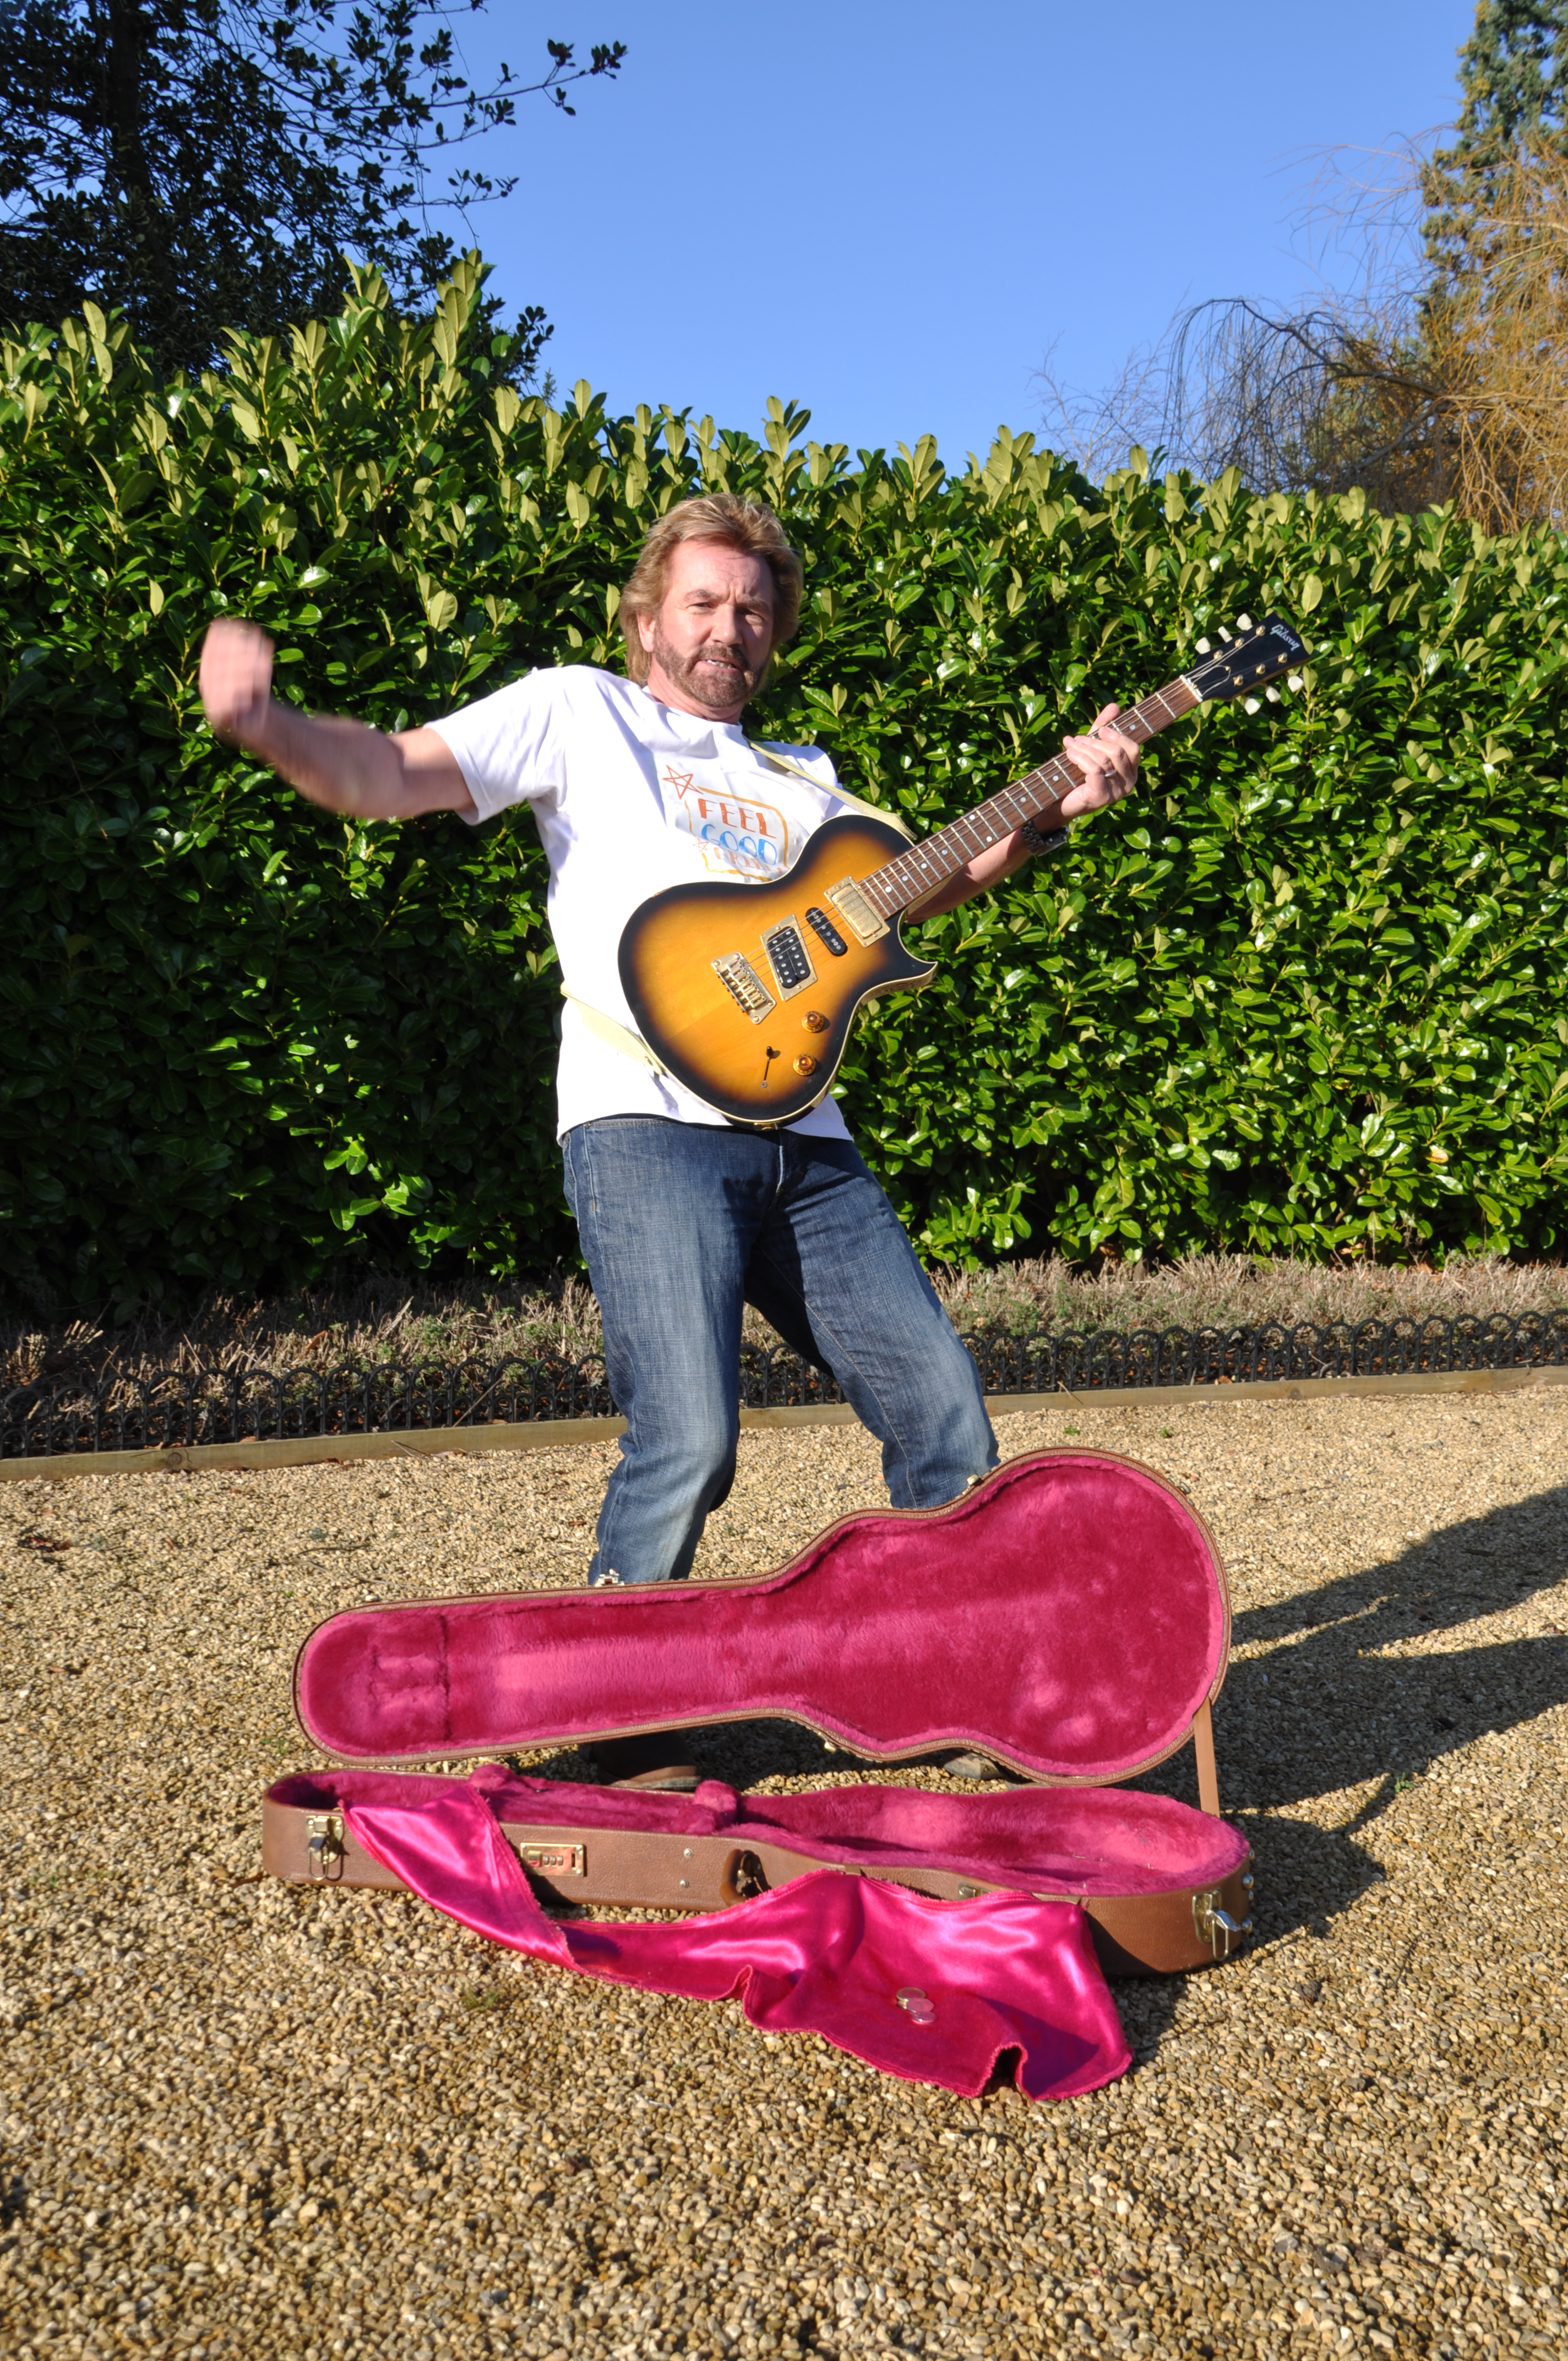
803 1065
814 1021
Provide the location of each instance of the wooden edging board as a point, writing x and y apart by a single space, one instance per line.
554 1433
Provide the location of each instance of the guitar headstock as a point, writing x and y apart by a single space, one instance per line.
1259 654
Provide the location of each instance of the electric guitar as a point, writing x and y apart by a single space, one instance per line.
746 992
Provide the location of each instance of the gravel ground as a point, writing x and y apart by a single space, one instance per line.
242 2119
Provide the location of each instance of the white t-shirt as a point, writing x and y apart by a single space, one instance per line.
630 798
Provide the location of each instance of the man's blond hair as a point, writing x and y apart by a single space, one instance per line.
712 516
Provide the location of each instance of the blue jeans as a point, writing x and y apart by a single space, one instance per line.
681 1224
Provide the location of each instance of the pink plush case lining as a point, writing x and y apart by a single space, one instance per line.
1070 1616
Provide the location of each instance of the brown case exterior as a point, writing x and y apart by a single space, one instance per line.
1134 1934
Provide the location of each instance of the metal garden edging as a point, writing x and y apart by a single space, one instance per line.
1482 1356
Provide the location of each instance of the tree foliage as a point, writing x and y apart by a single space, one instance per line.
1440 377
1318 397
206 164
1513 79
1301 994
1460 397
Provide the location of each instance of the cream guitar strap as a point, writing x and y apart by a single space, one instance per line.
868 811
617 1036
632 1045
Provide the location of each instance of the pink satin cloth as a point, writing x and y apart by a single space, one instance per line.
935 1992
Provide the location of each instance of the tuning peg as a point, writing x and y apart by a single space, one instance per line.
1272 695
1225 635
1250 703
1243 622
1203 647
1295 681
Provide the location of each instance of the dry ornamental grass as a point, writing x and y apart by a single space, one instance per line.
386 1319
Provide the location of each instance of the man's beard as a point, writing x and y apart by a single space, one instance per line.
716 686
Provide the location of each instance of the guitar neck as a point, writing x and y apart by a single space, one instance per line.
918 872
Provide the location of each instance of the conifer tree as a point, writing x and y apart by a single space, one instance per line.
1513 79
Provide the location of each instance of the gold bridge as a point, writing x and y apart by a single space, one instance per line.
741 980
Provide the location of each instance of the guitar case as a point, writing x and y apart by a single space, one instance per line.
1068 1616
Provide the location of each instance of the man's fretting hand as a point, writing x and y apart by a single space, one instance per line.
1108 762
236 681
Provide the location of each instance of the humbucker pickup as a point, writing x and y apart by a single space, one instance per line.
788 958
853 907
736 972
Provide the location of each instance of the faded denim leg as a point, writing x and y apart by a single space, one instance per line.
680 1224
666 1212
837 1277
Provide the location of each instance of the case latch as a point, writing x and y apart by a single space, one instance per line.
324 1847
555 1859
1216 1926
741 1879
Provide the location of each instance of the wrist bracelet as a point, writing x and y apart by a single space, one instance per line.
1038 844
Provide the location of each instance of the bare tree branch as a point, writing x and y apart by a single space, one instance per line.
1417 390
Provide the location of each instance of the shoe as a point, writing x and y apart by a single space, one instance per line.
971 1766
652 1761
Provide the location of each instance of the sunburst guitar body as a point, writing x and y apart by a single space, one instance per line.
746 994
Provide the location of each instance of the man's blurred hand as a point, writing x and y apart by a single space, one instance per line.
236 680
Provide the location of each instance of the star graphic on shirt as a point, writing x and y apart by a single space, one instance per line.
679 780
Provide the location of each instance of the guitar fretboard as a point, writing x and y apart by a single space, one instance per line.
900 884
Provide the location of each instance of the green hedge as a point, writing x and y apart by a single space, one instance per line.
1304 995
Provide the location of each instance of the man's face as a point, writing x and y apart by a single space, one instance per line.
710 638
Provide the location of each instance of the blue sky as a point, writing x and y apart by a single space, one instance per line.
894 214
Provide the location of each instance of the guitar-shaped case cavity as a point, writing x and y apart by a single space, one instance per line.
1067 1616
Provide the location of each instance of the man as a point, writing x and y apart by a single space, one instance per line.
637 785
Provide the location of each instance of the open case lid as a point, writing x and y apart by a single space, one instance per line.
1067 1616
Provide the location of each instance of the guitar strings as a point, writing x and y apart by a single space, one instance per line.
913 874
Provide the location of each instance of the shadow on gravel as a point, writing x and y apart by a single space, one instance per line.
1305 1875
1325 1709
